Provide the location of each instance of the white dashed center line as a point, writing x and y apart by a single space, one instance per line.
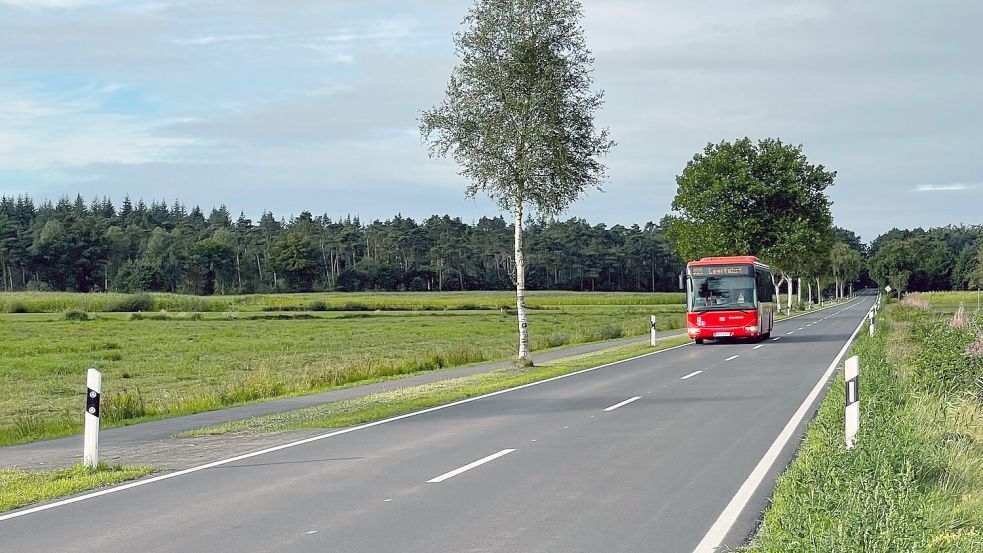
777 338
758 346
691 375
732 357
469 466
623 403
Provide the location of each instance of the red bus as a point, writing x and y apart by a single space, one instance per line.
729 297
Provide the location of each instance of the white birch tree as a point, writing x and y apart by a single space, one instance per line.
518 115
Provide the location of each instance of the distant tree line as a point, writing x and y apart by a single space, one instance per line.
95 246
942 258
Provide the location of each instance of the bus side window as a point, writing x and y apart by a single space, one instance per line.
765 293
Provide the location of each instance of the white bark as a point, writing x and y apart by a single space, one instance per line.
799 298
777 285
520 287
788 299
819 292
810 294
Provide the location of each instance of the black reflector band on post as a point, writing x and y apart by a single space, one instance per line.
92 402
852 391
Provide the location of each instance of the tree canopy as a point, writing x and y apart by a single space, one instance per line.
764 198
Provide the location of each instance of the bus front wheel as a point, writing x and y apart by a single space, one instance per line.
699 340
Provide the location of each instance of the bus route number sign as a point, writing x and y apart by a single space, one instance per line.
720 270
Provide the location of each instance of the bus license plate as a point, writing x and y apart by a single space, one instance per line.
723 334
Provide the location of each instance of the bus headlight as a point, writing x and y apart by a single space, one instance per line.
751 328
693 330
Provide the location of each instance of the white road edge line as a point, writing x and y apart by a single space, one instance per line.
623 403
716 534
691 375
469 466
732 357
319 437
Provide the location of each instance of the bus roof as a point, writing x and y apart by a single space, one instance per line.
734 260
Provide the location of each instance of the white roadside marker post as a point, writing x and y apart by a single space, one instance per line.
851 375
653 331
90 453
871 324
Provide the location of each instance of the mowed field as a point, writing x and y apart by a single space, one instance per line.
190 354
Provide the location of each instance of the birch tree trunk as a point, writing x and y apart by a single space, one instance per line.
810 294
800 291
238 269
788 298
819 292
777 285
520 287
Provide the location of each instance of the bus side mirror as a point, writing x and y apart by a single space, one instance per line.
682 282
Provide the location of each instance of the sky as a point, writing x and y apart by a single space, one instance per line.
314 105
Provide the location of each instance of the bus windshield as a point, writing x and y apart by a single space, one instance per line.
717 293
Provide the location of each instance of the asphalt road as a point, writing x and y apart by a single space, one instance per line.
570 465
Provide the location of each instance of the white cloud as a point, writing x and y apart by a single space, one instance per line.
217 39
43 133
46 3
944 187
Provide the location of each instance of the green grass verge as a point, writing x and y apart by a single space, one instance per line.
397 402
913 483
20 488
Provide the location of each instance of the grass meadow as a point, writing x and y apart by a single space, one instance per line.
58 302
914 482
172 360
950 301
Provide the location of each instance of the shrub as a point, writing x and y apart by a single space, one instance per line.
18 306
318 305
76 315
132 303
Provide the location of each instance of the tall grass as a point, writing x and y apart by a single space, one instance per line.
57 302
913 483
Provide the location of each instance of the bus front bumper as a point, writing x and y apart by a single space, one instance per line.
723 332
